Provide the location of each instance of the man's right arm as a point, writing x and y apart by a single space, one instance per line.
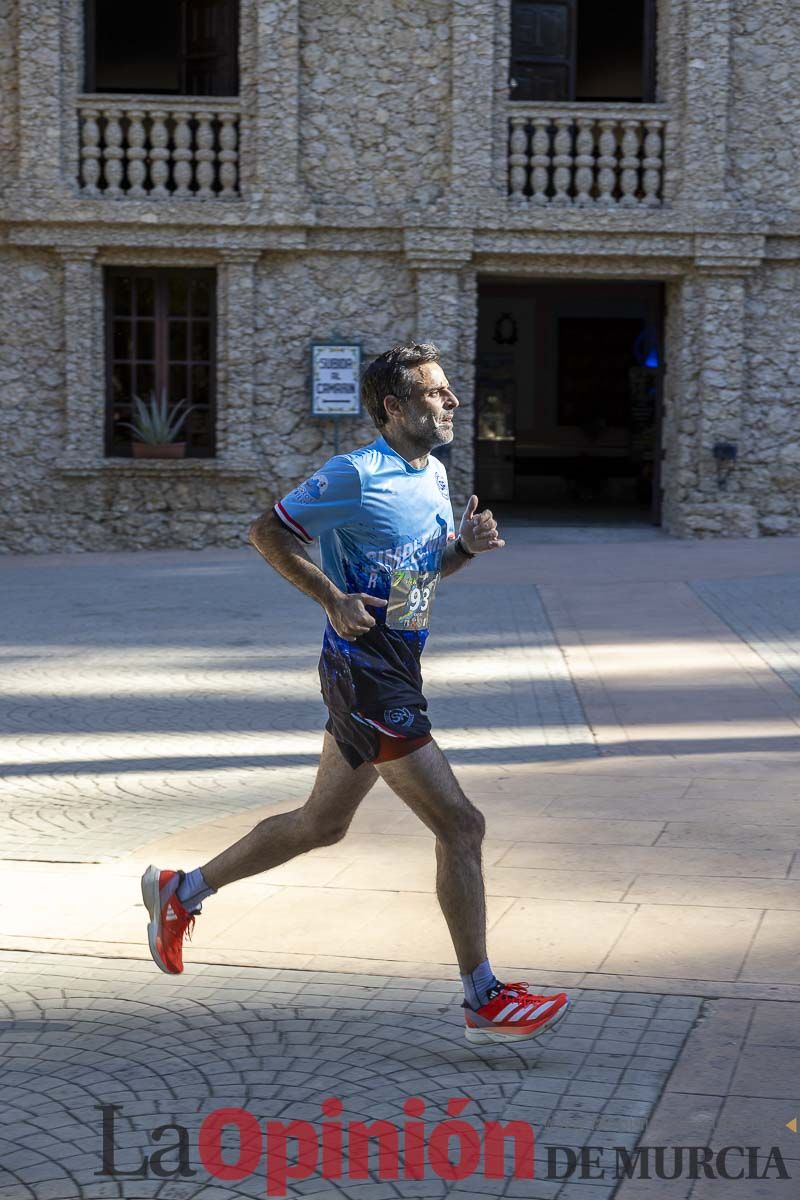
281 549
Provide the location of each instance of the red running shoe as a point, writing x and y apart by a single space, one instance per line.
169 920
513 1014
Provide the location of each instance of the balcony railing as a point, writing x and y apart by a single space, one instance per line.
184 146
610 155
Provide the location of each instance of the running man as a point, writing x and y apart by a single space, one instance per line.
385 524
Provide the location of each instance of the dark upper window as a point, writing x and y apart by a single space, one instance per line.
582 50
163 47
160 335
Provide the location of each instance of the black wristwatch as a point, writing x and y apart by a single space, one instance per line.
462 549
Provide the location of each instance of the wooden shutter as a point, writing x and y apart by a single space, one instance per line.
543 39
209 47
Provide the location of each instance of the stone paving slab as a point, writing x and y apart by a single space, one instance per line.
133 688
77 1033
765 612
665 837
165 721
659 673
714 1098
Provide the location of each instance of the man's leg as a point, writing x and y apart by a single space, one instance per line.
425 782
493 1011
324 819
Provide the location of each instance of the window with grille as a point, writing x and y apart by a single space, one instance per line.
582 50
160 339
163 47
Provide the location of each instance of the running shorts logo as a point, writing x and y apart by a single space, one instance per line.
313 489
402 717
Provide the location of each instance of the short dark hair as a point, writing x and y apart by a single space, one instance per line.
391 374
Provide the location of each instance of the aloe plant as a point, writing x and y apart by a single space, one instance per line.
154 422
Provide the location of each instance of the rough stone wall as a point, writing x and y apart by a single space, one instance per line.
138 511
300 299
706 358
770 470
318 298
764 128
8 102
369 298
373 297
368 248
762 493
681 404
31 386
44 510
374 92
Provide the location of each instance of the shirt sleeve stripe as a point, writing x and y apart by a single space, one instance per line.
293 526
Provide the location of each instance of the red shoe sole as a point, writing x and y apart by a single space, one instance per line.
151 897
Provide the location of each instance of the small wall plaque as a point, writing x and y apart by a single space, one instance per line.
335 379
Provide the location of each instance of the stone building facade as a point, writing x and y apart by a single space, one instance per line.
371 179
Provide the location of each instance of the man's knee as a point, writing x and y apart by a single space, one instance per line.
329 835
464 823
475 823
324 831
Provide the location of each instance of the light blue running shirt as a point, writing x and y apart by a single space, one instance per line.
383 526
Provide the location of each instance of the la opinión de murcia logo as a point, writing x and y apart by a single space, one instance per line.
292 1150
452 1149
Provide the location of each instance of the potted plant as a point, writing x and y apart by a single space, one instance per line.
155 427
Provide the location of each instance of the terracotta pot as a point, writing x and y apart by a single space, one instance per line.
169 450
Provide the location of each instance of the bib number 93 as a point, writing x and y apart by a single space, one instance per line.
410 599
418 599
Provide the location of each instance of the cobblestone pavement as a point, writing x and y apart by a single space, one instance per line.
765 612
131 685
76 1034
636 761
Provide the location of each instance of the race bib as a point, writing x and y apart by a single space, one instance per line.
411 598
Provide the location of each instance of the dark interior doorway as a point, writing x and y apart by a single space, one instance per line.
163 47
568 397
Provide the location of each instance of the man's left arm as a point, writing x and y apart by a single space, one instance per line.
477 534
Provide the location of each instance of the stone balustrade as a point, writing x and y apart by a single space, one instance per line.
610 155
151 146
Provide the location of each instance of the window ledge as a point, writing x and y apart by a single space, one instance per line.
156 100
611 108
161 468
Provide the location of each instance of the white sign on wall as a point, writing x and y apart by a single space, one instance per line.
335 380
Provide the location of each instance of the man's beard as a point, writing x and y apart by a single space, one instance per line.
429 435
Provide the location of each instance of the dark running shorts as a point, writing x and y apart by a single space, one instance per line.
373 690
